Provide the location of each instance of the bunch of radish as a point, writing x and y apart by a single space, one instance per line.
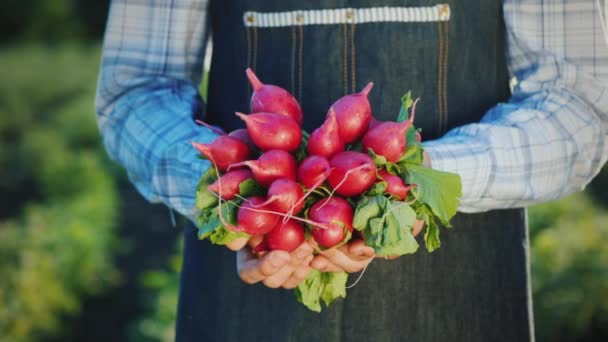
352 172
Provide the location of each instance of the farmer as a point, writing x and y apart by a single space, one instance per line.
545 140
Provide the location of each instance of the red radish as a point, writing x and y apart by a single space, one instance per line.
270 166
286 236
243 135
230 183
353 113
224 151
373 123
336 215
271 131
252 221
395 185
283 194
388 138
273 99
326 141
353 173
312 170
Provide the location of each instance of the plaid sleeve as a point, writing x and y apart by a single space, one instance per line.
549 140
147 94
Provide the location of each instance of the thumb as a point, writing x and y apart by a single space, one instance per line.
359 248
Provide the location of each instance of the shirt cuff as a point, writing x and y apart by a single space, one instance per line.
469 160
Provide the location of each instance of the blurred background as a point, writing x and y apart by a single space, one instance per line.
84 258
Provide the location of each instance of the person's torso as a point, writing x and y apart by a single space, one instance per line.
450 54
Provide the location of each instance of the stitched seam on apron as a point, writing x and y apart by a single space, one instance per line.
435 13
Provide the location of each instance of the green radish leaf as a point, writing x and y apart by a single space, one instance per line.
377 189
209 221
388 238
310 290
413 155
406 104
334 286
326 287
392 168
403 212
223 235
441 191
204 198
250 187
367 209
379 160
431 236
301 153
411 138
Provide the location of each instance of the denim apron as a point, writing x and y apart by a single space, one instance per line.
452 55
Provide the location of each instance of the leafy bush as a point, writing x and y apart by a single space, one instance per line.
570 269
58 200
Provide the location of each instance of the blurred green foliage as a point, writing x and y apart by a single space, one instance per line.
59 202
52 21
570 269
160 292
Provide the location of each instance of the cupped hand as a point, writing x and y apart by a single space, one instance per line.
352 257
275 268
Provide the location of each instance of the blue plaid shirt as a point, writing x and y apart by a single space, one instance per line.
549 140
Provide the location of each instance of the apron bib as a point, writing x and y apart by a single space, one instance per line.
452 55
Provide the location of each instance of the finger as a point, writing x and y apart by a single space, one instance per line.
323 264
237 243
301 254
298 257
252 270
279 277
299 275
358 248
347 262
417 228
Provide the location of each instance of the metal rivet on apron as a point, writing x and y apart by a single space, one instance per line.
299 18
250 18
444 11
350 15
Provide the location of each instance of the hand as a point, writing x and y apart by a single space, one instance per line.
352 257
275 268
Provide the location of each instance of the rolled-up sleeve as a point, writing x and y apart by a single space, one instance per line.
550 139
148 93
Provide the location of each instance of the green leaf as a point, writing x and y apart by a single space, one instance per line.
406 104
392 168
368 208
205 198
379 160
334 286
326 286
388 238
441 191
309 291
431 236
209 223
250 187
403 212
222 236
377 189
413 155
